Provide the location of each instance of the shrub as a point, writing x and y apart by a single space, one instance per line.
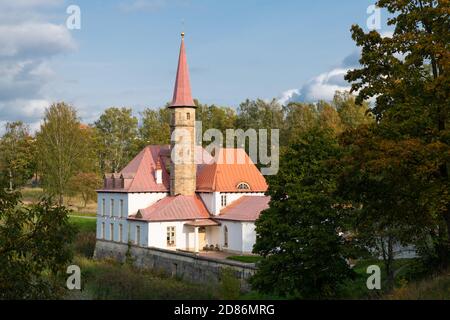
230 287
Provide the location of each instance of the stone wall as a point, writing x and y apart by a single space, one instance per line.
186 266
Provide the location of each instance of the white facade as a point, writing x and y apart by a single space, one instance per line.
113 223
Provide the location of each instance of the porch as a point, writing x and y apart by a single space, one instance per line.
203 229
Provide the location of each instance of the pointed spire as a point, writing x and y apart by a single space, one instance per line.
182 96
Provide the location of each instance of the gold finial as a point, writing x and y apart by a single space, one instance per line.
182 35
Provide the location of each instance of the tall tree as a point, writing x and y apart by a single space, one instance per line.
17 150
301 235
117 131
34 248
408 75
63 147
155 127
384 181
299 119
352 114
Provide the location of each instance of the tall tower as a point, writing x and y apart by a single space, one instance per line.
182 129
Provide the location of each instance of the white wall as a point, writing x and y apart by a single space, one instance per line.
138 201
143 241
132 202
248 236
234 236
157 235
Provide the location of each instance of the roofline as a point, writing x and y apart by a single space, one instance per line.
127 191
236 220
171 220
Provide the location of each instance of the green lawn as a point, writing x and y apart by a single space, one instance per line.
245 259
84 224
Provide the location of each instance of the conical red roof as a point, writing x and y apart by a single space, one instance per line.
182 96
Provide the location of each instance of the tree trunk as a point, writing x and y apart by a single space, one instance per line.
10 180
61 200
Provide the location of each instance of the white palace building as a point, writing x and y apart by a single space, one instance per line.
183 205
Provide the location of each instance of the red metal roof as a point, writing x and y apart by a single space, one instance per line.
202 223
182 96
246 208
173 209
232 167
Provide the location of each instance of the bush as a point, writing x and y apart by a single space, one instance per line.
85 244
230 287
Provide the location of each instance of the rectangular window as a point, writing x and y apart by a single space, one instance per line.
103 207
223 199
170 236
103 231
111 212
111 232
121 208
138 236
120 233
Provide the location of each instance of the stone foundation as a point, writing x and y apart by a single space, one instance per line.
186 266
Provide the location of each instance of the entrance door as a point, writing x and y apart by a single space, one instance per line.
201 238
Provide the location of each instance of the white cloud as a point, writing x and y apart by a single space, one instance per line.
28 42
323 86
34 39
288 95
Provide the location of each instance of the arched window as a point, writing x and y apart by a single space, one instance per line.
243 186
188 116
225 236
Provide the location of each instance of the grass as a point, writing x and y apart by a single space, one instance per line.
31 195
407 270
109 280
84 224
433 288
76 203
245 259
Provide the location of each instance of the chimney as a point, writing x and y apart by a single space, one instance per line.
158 173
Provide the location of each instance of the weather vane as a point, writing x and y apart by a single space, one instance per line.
182 28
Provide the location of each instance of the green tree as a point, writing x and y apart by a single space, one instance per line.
329 118
85 184
63 148
301 235
17 151
34 248
117 133
352 114
408 76
216 117
155 128
299 119
390 186
259 114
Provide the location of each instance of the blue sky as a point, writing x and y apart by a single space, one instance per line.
125 53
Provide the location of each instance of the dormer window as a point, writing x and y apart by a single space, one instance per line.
243 186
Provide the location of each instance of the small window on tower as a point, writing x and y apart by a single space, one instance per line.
188 116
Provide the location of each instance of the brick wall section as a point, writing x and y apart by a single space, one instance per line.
183 175
186 266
